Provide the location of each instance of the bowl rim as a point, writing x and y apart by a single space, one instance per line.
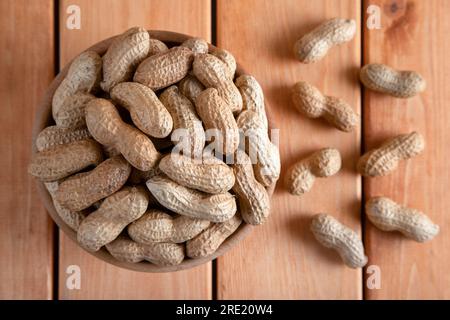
43 118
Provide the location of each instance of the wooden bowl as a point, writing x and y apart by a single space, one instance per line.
43 118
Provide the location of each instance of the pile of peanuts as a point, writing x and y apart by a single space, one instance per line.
383 212
110 163
117 179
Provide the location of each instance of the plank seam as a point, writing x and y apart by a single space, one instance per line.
214 278
362 150
214 22
55 227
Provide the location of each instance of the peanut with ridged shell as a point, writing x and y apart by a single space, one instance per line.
254 201
384 79
71 114
264 154
252 96
323 163
114 214
64 160
190 87
385 159
195 204
164 69
106 126
228 59
84 75
313 104
207 242
147 112
156 46
314 45
81 191
387 215
197 45
72 218
162 254
209 174
123 56
54 135
332 234
158 226
184 118
216 114
213 73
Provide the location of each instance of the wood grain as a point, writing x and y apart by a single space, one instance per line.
26 231
101 19
414 36
281 260
104 18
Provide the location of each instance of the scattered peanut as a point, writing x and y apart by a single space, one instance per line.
192 203
213 73
63 160
401 84
323 163
252 96
185 118
114 214
207 242
387 215
54 135
162 254
209 175
82 190
190 87
106 126
262 151
215 114
147 112
383 160
164 69
197 45
83 76
254 201
313 104
314 45
332 234
158 226
123 55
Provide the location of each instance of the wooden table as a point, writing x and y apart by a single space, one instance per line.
280 260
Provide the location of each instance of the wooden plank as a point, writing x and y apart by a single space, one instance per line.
101 19
414 36
281 259
27 67
104 18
